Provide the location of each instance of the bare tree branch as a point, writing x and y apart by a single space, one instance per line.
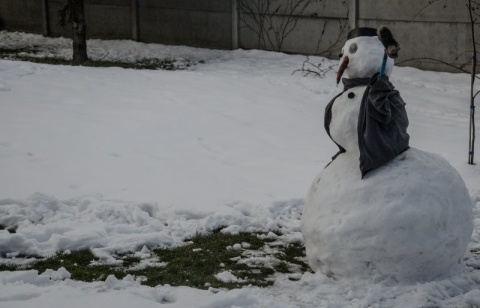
436 60
476 94
343 26
317 70
272 21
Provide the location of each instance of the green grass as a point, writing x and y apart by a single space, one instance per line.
78 263
12 51
294 254
145 64
196 264
193 264
7 268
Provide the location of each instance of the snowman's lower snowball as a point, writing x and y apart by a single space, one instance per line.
410 219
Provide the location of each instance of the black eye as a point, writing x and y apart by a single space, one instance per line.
340 55
353 48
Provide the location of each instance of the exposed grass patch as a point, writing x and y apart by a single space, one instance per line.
22 54
129 261
294 254
13 51
472 258
78 263
253 260
7 268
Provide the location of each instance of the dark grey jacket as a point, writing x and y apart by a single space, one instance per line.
382 122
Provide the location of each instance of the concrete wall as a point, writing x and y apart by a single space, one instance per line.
440 30
318 30
21 15
202 23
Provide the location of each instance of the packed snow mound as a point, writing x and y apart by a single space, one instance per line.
45 225
409 220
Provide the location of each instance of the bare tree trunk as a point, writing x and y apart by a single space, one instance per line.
79 30
471 139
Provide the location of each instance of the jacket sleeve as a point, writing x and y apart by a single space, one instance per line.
384 99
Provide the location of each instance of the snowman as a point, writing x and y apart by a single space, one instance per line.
381 209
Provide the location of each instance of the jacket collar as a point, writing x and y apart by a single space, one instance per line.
349 83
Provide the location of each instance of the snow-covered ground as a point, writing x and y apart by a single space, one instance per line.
115 160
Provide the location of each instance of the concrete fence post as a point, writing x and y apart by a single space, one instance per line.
134 19
45 18
235 37
353 14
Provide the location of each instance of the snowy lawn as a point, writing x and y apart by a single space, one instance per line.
122 162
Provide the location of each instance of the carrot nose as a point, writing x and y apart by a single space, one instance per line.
342 68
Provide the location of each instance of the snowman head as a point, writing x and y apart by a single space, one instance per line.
363 53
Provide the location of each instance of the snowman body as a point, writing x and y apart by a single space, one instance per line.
343 126
407 220
410 219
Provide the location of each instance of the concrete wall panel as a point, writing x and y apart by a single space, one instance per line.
448 42
331 9
193 5
55 29
328 9
186 27
112 21
109 2
311 36
21 15
414 10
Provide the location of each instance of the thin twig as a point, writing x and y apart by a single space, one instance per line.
436 60
476 94
264 14
431 2
310 68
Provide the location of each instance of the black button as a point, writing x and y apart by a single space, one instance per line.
351 95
